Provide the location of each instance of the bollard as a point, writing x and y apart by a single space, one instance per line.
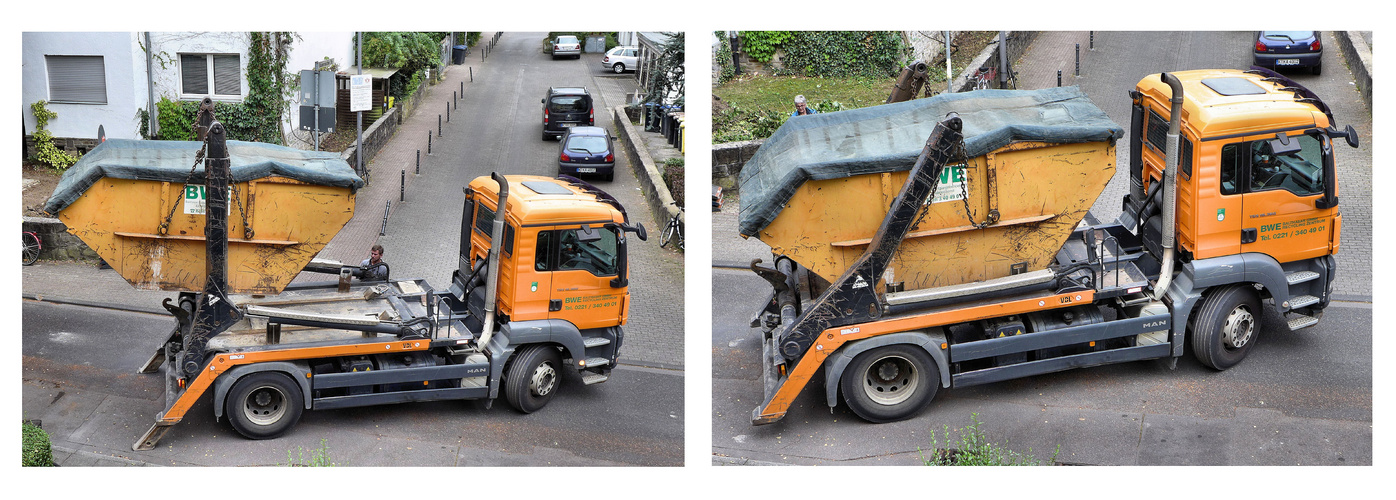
455 103
1059 78
438 125
448 112
472 77
386 209
1092 40
428 143
402 187
419 162
1078 59
462 87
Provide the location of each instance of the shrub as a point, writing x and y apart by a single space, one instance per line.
37 451
45 151
975 449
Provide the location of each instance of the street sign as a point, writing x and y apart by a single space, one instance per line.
317 90
360 92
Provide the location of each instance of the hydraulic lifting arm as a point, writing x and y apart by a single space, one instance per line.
852 298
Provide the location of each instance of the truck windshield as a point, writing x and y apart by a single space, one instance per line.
1298 169
597 256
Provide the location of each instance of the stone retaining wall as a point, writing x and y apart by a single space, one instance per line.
651 180
1359 58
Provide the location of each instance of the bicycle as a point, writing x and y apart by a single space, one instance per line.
987 77
32 247
673 231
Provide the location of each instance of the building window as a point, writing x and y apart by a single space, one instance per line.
216 75
77 79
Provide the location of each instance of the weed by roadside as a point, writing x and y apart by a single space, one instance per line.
974 448
317 457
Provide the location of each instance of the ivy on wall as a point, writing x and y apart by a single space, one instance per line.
45 151
726 70
846 53
258 117
759 46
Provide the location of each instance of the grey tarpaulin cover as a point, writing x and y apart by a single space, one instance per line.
171 160
888 138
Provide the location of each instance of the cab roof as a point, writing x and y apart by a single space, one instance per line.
1222 102
535 200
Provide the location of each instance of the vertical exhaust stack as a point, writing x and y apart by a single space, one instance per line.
1170 184
492 263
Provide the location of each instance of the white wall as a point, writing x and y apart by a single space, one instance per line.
123 69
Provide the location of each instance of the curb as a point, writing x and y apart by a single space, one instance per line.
645 170
1359 59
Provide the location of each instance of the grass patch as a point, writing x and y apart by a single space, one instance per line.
974 448
37 451
317 457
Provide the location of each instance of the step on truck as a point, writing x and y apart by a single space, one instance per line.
976 260
541 286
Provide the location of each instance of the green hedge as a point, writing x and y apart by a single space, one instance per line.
38 452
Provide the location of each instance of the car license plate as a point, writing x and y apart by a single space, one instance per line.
567 125
1287 62
586 170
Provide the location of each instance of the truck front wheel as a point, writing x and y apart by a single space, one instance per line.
1225 327
264 405
533 378
890 383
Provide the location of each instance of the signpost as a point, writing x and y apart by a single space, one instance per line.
317 104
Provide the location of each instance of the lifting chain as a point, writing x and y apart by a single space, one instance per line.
964 193
237 197
199 158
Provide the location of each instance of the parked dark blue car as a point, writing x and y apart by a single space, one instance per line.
1289 49
587 151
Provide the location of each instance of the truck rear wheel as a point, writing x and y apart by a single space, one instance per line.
533 378
890 383
264 405
1225 327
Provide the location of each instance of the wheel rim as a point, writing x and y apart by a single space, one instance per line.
265 405
890 380
1238 328
543 381
618 68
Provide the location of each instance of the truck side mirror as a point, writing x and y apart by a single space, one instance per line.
638 229
1350 135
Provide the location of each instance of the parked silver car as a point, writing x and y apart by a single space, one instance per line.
567 45
621 58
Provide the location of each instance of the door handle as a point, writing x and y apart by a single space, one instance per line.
555 305
1248 235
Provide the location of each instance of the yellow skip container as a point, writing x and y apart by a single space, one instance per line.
139 206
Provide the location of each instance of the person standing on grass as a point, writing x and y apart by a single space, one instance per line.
802 108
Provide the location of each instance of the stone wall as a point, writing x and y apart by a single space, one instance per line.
56 241
1359 58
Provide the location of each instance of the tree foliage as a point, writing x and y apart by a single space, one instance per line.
666 85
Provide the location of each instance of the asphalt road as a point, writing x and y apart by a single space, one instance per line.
90 398
1299 398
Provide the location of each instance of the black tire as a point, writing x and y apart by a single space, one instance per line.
668 234
618 68
1317 69
533 378
610 176
1225 327
890 383
31 248
546 135
264 405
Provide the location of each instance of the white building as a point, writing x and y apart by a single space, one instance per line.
92 79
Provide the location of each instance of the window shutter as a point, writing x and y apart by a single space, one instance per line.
77 79
194 73
227 76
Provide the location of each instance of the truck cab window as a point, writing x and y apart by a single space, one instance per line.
593 251
1296 166
542 257
1229 162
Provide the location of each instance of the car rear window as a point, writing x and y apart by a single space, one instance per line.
589 143
567 39
569 104
1288 35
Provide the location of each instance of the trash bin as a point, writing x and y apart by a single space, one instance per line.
458 54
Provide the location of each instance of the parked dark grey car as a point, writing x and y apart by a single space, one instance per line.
564 108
